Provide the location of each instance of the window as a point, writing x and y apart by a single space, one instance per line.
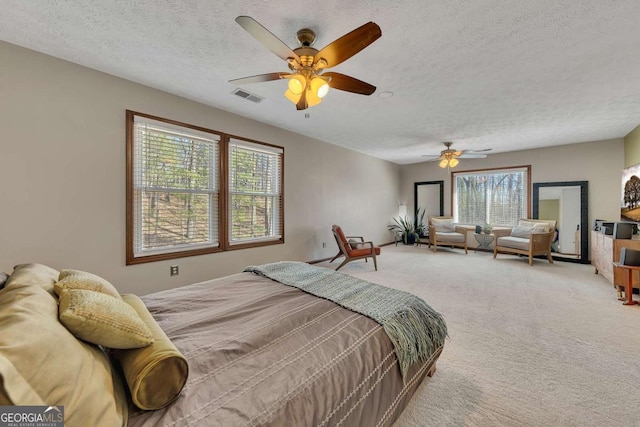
496 197
180 204
255 192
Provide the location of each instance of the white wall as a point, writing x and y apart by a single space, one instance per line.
62 177
599 162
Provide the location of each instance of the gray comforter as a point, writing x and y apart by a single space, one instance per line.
264 354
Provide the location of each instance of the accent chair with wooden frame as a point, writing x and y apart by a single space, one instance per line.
355 249
443 232
531 237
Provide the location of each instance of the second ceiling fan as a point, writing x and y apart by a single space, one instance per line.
308 83
449 157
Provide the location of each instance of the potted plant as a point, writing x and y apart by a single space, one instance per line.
487 228
405 227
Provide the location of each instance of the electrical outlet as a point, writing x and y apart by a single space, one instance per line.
174 270
324 244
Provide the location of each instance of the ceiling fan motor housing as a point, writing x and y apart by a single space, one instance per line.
306 37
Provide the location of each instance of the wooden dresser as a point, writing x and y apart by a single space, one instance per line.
604 250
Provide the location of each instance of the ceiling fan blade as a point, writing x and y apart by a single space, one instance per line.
348 45
472 156
267 38
259 78
477 151
349 84
302 102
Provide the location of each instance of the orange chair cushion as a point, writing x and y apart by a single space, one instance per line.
341 234
364 251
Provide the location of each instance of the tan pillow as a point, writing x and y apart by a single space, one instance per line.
76 279
155 374
42 363
33 274
102 319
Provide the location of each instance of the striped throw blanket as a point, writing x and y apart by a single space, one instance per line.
415 329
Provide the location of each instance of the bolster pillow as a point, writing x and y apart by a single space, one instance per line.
155 374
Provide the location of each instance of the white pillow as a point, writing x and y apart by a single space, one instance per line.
523 232
355 244
443 224
540 227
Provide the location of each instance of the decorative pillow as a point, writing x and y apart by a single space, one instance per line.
155 374
33 274
42 363
3 279
102 319
75 279
354 243
443 224
540 227
524 232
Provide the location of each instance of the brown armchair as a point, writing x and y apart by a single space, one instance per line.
353 249
443 232
531 237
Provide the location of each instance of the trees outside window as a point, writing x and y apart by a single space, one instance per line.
255 190
497 196
175 201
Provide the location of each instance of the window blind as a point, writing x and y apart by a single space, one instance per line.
497 197
255 192
176 187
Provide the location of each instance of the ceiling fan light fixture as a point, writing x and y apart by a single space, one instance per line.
292 96
297 83
453 162
319 87
312 97
443 164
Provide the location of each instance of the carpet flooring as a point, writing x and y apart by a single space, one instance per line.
548 345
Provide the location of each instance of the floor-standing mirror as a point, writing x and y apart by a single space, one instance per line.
428 196
566 202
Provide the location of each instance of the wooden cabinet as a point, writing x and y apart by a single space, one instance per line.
605 250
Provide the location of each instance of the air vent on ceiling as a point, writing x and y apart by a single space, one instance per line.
248 95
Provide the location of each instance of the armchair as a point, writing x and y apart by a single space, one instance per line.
353 249
531 237
443 232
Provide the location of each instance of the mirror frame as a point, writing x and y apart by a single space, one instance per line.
415 197
584 215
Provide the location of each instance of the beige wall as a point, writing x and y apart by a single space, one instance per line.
62 177
632 148
599 162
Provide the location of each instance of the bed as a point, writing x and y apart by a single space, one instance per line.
259 353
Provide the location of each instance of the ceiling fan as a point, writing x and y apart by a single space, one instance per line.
308 83
449 157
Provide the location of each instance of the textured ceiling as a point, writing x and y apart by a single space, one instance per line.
506 75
